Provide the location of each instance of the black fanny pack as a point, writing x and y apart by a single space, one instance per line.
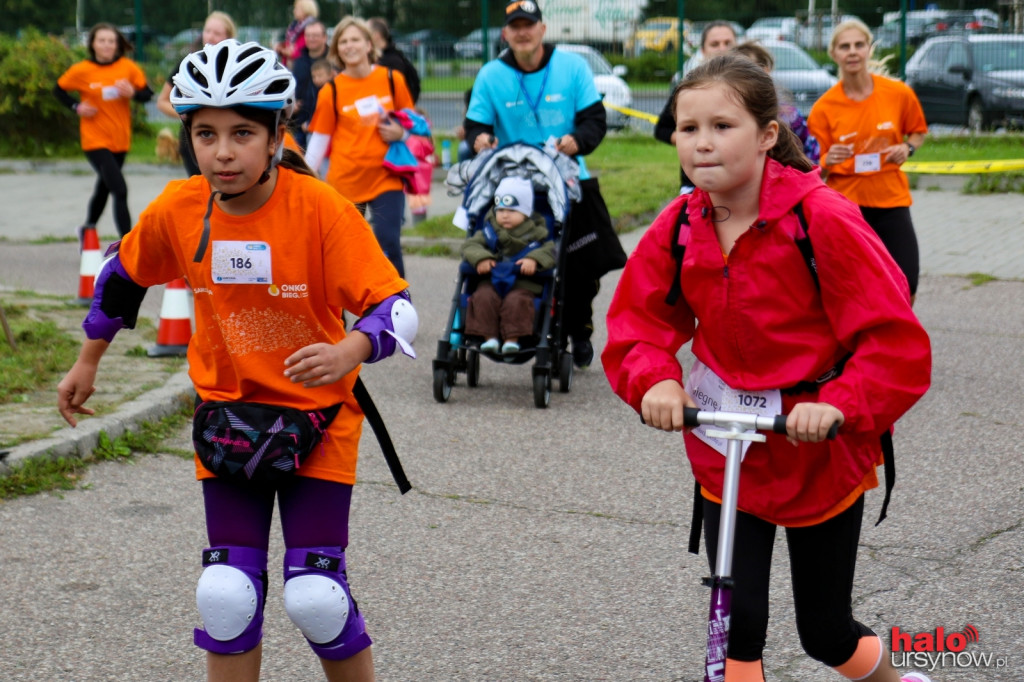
262 444
256 442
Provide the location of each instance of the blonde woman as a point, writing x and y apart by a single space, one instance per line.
351 119
304 12
217 27
868 125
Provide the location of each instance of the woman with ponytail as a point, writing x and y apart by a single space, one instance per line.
828 340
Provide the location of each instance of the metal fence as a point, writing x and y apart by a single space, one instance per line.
962 57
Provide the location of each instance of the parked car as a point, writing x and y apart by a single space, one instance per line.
436 44
796 74
960 21
817 31
772 28
888 35
608 80
471 45
971 80
656 34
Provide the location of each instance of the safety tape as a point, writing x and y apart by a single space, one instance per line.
963 167
650 118
923 167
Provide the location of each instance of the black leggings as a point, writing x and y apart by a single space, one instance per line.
107 165
822 560
894 227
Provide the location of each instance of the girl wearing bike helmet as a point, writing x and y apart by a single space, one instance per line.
273 255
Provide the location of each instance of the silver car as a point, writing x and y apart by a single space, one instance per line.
796 74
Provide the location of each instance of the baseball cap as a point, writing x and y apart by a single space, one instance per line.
522 9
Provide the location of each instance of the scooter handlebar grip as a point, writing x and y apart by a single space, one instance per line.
690 416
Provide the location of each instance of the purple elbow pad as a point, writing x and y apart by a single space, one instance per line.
116 300
391 323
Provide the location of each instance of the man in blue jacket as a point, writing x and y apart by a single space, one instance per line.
537 94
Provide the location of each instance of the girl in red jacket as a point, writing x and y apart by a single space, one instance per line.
846 349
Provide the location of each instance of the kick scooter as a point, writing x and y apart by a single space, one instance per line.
735 427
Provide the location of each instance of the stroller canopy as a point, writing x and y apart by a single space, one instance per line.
478 177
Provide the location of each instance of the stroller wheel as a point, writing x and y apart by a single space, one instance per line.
442 387
542 389
472 368
565 370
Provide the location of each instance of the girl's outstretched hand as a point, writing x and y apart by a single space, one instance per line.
810 422
320 364
662 405
74 389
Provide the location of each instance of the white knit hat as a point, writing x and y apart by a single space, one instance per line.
515 194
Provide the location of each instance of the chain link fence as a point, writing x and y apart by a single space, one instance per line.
963 57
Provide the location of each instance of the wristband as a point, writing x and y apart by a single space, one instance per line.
910 149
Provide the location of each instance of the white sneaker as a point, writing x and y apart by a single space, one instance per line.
510 348
915 677
490 346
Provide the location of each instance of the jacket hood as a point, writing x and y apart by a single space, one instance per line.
782 188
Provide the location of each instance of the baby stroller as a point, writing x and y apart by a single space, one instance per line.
555 182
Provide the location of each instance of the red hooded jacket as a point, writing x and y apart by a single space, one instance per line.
761 323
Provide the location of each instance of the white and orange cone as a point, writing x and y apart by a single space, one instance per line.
92 258
175 329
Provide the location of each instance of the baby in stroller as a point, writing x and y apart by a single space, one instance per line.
512 247
541 186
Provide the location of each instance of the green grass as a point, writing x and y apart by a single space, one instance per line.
971 148
38 475
43 352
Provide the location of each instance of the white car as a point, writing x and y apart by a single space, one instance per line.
772 28
608 80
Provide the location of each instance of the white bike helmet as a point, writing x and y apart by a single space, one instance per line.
231 74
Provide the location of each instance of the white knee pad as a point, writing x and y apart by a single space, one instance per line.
318 605
230 597
228 601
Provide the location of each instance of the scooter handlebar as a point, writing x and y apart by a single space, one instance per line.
777 424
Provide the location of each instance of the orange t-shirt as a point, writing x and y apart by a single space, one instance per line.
357 149
111 127
319 256
890 113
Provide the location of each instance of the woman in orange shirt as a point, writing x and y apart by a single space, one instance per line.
105 83
351 118
868 125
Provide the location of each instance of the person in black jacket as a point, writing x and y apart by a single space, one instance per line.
392 57
305 91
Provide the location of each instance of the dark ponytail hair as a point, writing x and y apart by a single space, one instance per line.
756 92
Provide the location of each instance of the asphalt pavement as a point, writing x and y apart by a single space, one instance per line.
536 544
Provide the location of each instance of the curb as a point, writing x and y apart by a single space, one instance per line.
81 441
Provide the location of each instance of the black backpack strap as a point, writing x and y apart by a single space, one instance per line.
696 520
334 99
678 251
889 458
391 86
804 244
383 437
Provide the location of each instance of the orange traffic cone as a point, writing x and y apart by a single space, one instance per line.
92 258
175 330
